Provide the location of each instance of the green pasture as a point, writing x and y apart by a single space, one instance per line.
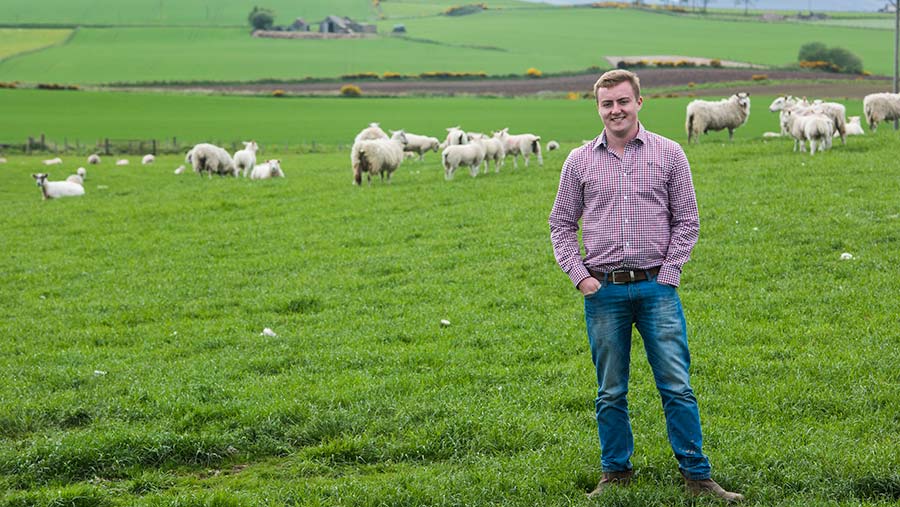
87 117
17 40
135 372
497 42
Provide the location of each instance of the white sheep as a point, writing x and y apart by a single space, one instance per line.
188 157
245 159
495 150
148 159
881 107
420 144
810 125
854 127
93 159
82 172
266 170
455 135
55 189
730 113
372 132
552 145
212 159
74 178
471 154
780 104
377 156
2 160
122 161
53 161
520 144
179 169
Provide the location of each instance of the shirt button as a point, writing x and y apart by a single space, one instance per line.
626 197
627 244
626 220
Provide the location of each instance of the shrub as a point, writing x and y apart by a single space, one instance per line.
759 77
812 52
360 75
532 72
716 63
8 85
685 63
278 93
261 19
351 91
462 10
691 84
839 59
392 75
572 96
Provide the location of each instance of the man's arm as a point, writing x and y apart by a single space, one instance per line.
567 210
685 221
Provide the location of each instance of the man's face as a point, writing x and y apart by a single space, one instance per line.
619 108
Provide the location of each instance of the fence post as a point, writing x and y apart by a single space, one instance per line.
29 143
154 147
43 143
106 146
65 144
141 147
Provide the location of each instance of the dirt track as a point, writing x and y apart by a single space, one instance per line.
650 78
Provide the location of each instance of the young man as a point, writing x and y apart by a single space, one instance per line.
632 190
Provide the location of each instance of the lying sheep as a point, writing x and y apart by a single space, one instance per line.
93 159
552 145
520 144
493 150
880 107
82 172
74 178
53 161
471 154
810 125
420 144
730 113
179 169
266 170
148 159
210 159
122 161
56 189
377 156
245 159
854 127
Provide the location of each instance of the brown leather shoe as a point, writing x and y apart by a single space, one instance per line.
610 479
709 487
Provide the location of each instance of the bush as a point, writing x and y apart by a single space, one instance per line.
812 52
278 93
351 91
716 63
261 19
465 9
759 77
837 58
532 72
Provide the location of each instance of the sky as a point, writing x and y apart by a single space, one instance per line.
790 5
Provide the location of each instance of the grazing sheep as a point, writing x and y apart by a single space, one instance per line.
211 159
245 159
493 150
420 144
74 178
122 161
56 189
148 159
881 107
730 113
377 156
520 144
82 172
188 157
179 169
93 159
810 125
471 154
552 145
53 161
269 169
372 132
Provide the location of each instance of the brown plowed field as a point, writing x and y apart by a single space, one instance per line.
842 85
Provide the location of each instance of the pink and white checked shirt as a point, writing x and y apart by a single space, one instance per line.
637 212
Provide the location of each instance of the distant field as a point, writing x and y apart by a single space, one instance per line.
495 42
328 121
17 40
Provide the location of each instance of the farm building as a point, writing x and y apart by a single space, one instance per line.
299 25
337 24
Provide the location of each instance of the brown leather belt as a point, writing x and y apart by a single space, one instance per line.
621 276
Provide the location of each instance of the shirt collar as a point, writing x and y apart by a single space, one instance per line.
641 136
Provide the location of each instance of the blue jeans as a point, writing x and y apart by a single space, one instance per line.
655 310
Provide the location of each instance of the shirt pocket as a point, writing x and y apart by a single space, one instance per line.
653 181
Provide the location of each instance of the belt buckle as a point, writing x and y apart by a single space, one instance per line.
612 276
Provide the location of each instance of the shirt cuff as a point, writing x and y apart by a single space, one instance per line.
578 274
669 275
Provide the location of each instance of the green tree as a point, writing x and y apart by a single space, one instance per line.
261 19
813 52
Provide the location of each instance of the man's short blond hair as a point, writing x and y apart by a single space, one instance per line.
614 77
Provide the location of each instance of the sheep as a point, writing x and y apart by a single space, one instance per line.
520 144
82 172
93 158
148 159
2 160
455 135
779 105
552 145
188 157
56 189
837 112
211 159
420 144
493 150
810 125
471 154
269 169
854 127
377 156
881 107
730 113
245 159
74 178
179 169
372 132
53 161
122 161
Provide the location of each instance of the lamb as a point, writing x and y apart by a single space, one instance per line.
56 189
881 107
74 178
372 132
455 135
93 159
520 144
53 161
854 128
245 159
810 125
782 103
471 154
82 172
493 150
552 145
378 156
179 169
2 160
421 144
122 161
269 169
148 159
730 113
211 159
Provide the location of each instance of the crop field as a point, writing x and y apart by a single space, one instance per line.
17 40
135 372
497 42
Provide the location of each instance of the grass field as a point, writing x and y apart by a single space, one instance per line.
135 372
17 40
327 121
506 41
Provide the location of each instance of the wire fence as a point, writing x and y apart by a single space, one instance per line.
110 146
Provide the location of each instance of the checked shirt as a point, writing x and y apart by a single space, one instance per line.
637 212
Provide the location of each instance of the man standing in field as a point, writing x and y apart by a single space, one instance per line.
633 192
